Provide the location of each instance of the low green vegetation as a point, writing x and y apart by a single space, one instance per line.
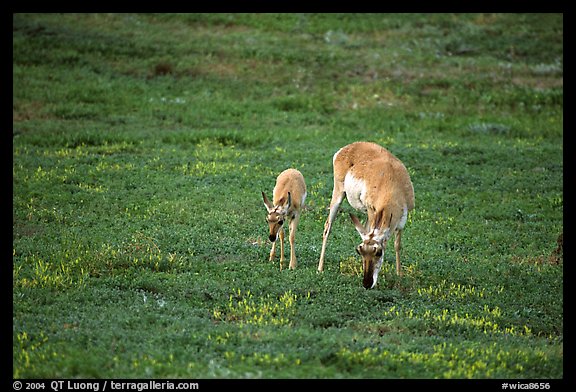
141 144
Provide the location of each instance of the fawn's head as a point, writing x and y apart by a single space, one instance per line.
276 214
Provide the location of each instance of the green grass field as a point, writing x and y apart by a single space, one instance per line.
141 144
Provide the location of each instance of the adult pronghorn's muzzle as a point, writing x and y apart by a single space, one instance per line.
368 281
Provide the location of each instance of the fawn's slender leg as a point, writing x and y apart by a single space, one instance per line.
281 235
293 224
272 251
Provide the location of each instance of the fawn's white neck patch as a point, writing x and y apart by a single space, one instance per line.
356 190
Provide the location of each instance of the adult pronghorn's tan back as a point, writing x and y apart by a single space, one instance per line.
375 181
379 168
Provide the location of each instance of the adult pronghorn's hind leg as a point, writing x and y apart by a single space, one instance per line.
397 248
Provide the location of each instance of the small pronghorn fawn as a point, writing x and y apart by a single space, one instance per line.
288 199
377 182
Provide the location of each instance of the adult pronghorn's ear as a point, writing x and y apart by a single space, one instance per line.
378 220
269 206
382 233
359 227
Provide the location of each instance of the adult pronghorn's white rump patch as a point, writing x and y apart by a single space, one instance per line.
356 190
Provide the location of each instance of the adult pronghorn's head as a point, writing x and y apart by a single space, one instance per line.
276 214
371 249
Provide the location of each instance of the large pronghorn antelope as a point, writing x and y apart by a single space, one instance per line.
377 182
288 198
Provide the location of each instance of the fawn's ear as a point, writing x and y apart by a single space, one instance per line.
269 206
289 202
285 203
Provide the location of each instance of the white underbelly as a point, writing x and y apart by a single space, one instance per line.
356 190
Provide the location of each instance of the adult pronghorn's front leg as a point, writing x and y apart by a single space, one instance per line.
337 197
